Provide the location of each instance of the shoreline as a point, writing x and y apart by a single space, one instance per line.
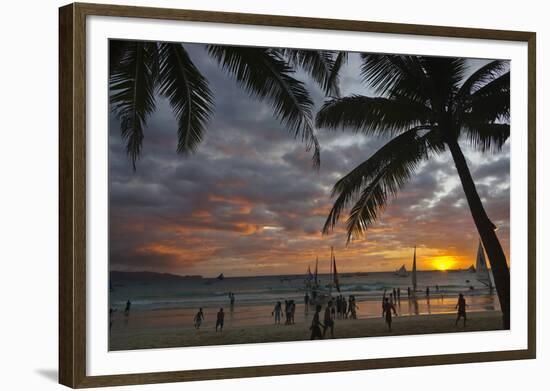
170 337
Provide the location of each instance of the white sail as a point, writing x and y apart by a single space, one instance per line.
414 271
402 272
482 273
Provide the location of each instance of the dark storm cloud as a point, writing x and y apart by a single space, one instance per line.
248 201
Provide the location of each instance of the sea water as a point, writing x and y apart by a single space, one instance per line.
174 303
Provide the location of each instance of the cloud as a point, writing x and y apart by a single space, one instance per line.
249 202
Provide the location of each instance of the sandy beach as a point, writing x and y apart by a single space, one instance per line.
145 338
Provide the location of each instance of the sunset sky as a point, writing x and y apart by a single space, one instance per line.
250 203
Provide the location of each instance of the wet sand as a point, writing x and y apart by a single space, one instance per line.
136 337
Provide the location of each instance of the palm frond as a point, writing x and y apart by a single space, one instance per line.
445 75
372 115
396 76
132 85
266 76
318 64
482 76
491 103
334 77
379 177
486 136
188 93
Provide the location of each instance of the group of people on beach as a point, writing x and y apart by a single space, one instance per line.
289 312
337 308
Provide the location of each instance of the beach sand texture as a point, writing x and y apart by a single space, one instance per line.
146 338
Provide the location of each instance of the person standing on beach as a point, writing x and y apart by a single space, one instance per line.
231 301
316 325
398 295
386 313
306 302
352 307
329 320
199 317
277 312
409 292
111 311
461 305
292 311
287 312
344 308
219 320
127 309
428 291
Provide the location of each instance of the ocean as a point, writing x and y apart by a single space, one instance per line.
174 303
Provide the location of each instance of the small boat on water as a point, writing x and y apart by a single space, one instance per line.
220 277
402 271
471 269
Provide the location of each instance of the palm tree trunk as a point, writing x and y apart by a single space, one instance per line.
486 230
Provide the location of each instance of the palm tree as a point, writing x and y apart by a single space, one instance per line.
425 107
139 71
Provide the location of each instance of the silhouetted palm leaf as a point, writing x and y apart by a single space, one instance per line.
317 63
370 184
482 77
491 102
334 77
372 115
266 75
132 82
188 93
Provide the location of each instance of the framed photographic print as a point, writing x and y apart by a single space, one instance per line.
341 195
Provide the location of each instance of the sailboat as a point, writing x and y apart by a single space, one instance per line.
320 295
471 269
482 273
414 272
402 272
220 277
334 274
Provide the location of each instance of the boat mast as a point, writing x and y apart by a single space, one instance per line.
414 272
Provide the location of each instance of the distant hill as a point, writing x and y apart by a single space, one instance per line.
116 276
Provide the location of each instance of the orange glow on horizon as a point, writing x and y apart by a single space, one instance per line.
444 262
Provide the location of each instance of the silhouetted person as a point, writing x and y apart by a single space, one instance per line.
398 294
287 312
408 292
127 309
344 308
199 317
306 301
316 325
277 312
111 311
232 300
292 311
219 319
386 313
461 305
427 291
329 320
352 307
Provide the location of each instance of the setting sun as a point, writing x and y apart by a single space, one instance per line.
444 262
